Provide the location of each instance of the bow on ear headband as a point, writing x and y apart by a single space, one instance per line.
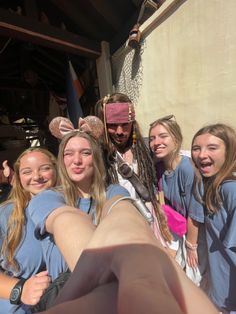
61 126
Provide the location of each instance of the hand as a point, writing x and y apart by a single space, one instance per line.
34 288
192 258
6 169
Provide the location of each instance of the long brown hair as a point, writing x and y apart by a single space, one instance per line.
20 199
211 195
146 171
69 188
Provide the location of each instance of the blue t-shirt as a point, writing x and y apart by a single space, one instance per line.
43 204
29 256
177 186
221 249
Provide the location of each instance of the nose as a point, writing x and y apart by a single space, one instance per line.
155 141
119 129
77 158
37 174
202 153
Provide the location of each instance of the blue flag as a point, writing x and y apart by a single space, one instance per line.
73 94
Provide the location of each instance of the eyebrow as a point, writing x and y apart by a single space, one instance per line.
75 149
163 133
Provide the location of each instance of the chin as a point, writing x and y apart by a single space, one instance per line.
121 145
208 175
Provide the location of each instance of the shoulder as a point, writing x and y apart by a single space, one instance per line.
228 187
186 162
228 194
116 189
185 167
184 171
5 212
6 209
48 195
46 199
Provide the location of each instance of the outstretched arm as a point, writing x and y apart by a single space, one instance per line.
125 258
72 230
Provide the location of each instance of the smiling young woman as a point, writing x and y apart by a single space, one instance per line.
175 176
84 188
23 258
214 155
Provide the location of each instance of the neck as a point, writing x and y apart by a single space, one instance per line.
123 150
171 164
84 191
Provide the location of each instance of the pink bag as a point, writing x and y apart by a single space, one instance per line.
176 222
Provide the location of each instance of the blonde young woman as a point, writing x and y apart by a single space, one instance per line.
83 179
175 176
25 262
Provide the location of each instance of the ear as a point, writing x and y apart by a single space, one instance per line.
96 126
60 126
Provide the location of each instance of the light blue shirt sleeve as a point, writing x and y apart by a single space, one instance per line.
228 195
116 189
42 205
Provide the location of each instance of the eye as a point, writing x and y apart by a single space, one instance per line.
195 148
111 126
86 152
213 147
164 135
26 172
46 168
68 153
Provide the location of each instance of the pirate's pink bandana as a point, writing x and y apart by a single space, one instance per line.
119 112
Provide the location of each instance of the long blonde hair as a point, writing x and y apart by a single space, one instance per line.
20 198
172 127
69 188
211 195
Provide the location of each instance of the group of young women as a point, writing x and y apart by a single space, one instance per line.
74 219
203 189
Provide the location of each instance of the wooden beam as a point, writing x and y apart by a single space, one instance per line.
28 29
31 9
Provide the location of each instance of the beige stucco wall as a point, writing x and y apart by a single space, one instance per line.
188 65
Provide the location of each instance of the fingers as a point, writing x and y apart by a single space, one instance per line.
34 288
192 258
6 169
42 274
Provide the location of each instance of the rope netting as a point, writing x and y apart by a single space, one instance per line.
127 71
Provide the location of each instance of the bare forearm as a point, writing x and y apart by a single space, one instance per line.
191 243
6 285
123 245
72 230
192 234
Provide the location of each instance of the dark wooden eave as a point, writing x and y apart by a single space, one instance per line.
28 29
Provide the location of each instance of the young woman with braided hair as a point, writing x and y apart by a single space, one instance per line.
124 143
